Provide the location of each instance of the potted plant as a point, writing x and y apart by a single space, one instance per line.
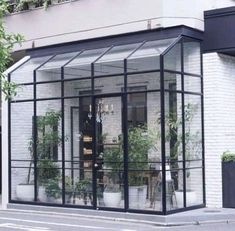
140 141
47 140
113 162
83 191
69 189
192 141
53 191
47 170
228 176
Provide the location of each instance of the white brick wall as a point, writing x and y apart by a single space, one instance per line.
219 91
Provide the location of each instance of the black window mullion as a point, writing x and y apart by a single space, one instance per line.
125 139
183 124
62 136
35 135
93 121
163 138
9 146
202 127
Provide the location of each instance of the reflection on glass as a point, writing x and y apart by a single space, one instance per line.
194 187
48 90
192 57
51 70
192 84
24 74
143 82
77 87
147 57
193 133
109 147
80 67
24 92
49 141
174 188
22 172
144 155
78 151
113 61
109 84
172 60
172 81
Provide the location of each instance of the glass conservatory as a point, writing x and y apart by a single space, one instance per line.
115 128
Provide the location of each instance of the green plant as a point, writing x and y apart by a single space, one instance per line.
140 141
7 42
48 138
47 170
24 4
192 139
228 157
52 188
83 189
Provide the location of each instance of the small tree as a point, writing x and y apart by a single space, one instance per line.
7 42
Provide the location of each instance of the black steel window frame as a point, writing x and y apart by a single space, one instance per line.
123 94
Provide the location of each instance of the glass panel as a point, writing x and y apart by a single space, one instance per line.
173 145
81 66
78 151
77 87
58 61
172 60
193 126
172 81
49 152
194 184
24 92
147 81
173 127
112 62
109 147
109 84
148 56
51 70
144 151
24 74
48 90
192 84
192 57
174 188
22 185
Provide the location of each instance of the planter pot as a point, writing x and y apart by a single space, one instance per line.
191 198
137 196
228 178
112 199
25 192
42 194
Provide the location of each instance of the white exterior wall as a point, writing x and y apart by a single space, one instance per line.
219 108
84 19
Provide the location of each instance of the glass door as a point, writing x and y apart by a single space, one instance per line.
109 165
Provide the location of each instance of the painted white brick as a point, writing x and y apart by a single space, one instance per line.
219 108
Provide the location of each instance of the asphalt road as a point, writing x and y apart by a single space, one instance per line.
36 221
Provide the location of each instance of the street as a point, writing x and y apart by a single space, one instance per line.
36 221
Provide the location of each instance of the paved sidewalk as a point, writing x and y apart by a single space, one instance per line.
199 216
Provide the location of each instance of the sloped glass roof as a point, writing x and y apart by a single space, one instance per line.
106 61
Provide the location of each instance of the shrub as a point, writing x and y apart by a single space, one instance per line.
228 157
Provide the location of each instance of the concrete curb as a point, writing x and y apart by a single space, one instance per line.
154 220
